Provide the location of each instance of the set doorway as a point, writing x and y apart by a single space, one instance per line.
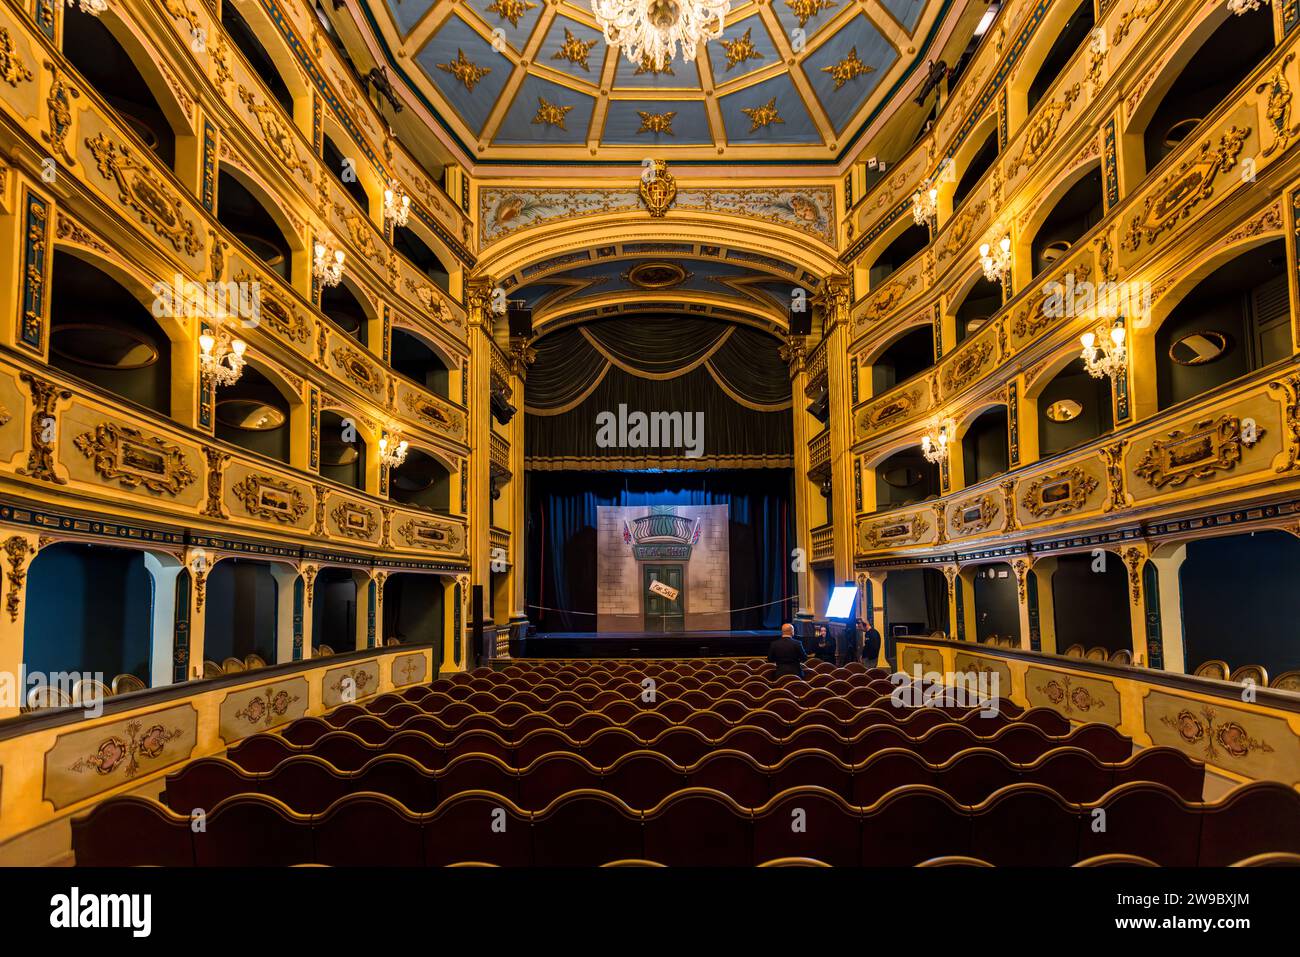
662 614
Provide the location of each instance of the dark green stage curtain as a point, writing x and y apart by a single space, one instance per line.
749 363
730 429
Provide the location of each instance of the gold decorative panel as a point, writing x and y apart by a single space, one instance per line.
1210 446
249 710
1058 493
906 530
974 515
963 662
84 763
270 498
132 459
350 683
409 669
1079 698
1246 742
929 660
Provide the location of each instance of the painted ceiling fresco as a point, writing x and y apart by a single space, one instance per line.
517 79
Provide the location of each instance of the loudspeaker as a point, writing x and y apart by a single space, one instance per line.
801 319
520 319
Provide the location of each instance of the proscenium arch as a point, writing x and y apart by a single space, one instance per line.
534 245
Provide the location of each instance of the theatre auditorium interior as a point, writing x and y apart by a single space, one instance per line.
420 420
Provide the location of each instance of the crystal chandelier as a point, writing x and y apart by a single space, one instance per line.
1106 358
996 262
221 360
925 204
649 31
327 268
92 7
1239 7
397 205
392 450
935 446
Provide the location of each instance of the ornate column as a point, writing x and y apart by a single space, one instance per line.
1022 569
1162 609
287 619
20 550
794 352
479 517
1043 607
1144 651
522 356
835 302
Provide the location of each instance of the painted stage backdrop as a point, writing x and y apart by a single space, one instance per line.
662 568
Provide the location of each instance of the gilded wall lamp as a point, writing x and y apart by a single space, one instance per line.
397 205
392 449
925 205
327 266
934 444
221 357
996 261
1107 356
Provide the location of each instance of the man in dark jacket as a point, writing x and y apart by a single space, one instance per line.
787 654
870 643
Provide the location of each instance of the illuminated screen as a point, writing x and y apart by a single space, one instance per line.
841 603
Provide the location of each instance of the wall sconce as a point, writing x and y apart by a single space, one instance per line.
1106 358
996 262
392 450
925 205
397 205
92 7
221 359
327 267
934 445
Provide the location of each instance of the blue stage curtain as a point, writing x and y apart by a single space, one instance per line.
561 538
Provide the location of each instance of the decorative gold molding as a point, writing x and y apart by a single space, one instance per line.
141 189
13 69
16 548
134 459
1021 567
1290 398
974 515
967 366
899 531
217 461
849 68
763 116
1112 457
1212 445
1042 133
270 498
463 69
1056 493
40 459
658 189
354 521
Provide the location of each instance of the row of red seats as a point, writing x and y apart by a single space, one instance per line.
1020 825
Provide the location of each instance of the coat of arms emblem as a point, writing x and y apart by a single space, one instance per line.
658 188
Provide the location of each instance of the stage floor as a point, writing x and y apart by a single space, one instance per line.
629 644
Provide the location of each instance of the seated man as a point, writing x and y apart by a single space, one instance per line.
787 653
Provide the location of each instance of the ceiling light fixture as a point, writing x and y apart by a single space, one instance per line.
649 31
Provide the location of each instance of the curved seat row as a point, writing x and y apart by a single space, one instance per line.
641 779
1021 743
1019 825
650 724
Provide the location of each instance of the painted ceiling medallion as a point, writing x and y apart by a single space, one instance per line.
575 50
850 68
510 10
551 114
656 275
656 122
805 10
762 116
654 29
738 51
462 69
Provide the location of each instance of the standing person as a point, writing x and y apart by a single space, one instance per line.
787 653
870 642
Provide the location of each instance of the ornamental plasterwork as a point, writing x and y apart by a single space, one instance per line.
974 515
1182 190
270 498
426 533
551 114
1288 390
1278 108
1058 492
761 117
1041 135
357 370
966 368
849 68
354 521
740 49
13 69
1212 445
274 135
901 531
133 459
140 189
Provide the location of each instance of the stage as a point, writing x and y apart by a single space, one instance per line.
644 644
